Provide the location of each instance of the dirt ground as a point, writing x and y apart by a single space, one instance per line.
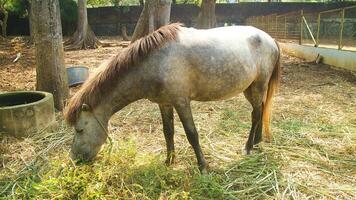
313 154
22 74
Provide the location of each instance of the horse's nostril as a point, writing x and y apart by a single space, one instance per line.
79 130
72 155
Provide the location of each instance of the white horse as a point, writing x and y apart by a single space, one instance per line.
171 67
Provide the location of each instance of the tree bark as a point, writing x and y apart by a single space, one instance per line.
206 17
3 23
47 32
84 37
155 13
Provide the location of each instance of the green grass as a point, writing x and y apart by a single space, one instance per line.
231 122
126 173
298 164
122 170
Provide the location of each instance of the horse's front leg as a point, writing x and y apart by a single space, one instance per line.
168 130
185 114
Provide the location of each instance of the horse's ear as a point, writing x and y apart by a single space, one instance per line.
85 107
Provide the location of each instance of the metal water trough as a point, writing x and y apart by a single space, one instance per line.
26 112
77 75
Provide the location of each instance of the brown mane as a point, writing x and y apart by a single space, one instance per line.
101 82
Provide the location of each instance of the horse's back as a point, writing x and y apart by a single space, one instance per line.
216 63
228 36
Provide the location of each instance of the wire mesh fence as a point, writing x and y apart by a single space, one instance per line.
349 29
330 29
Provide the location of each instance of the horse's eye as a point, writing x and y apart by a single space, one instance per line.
85 107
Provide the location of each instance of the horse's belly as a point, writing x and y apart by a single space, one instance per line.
215 95
220 88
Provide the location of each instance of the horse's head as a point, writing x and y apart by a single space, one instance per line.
90 134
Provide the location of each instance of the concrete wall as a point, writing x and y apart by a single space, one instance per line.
108 20
334 57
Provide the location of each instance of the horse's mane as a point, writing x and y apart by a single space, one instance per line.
105 79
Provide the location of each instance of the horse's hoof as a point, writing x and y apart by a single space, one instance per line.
257 142
203 171
246 151
267 140
170 161
203 168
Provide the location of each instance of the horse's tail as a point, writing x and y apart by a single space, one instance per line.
273 85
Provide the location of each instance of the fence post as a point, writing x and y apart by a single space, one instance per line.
259 23
318 31
276 29
341 27
285 26
265 24
301 26
268 25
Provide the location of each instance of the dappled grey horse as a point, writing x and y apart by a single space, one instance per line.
171 67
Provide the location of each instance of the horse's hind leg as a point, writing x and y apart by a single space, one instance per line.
168 130
255 94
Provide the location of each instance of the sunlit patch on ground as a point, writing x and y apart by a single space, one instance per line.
313 154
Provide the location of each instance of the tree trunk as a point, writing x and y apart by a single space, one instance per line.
84 37
47 33
163 14
3 23
30 24
155 13
124 33
206 18
142 23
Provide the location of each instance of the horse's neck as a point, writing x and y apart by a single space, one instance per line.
128 89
